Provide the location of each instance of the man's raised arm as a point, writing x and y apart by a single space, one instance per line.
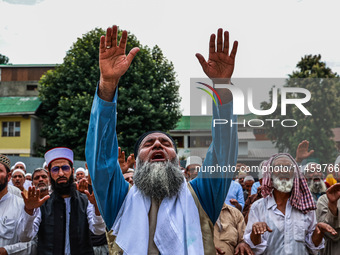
212 189
101 151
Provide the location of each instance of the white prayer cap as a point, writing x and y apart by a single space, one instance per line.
58 153
18 170
44 165
19 162
337 161
193 160
249 178
28 174
80 169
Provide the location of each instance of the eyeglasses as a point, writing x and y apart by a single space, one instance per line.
55 169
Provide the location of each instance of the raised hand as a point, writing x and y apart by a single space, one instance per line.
33 200
82 185
302 151
260 227
243 248
220 64
235 203
125 165
113 62
333 195
322 227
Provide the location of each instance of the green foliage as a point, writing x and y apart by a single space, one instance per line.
148 95
324 86
3 59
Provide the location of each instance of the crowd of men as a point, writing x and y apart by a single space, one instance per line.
148 205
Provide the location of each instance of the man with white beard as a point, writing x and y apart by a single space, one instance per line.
165 215
283 222
315 181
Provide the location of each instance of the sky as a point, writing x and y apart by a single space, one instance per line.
273 35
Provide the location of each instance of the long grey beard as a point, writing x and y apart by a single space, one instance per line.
159 179
317 187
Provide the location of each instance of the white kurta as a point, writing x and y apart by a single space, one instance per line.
11 208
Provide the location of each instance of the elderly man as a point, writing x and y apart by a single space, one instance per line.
248 183
283 222
11 208
168 216
64 220
40 181
315 181
192 166
22 166
80 173
328 211
18 179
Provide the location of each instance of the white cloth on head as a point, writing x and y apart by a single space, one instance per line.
193 160
58 153
249 178
178 223
80 169
337 161
18 170
19 162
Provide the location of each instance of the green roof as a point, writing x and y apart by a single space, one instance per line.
19 105
27 65
204 122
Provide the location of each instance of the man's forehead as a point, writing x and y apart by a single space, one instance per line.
154 136
60 161
38 173
282 161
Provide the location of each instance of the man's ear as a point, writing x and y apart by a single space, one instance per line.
9 176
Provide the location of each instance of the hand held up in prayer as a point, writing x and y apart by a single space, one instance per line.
113 62
333 195
33 201
258 229
302 151
220 65
82 185
319 231
125 164
235 203
243 248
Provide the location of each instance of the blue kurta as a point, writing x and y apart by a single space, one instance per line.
109 185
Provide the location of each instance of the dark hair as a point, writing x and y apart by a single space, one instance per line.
38 170
7 168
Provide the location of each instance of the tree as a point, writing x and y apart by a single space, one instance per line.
3 59
148 95
324 86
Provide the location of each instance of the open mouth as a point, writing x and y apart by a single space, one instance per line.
158 156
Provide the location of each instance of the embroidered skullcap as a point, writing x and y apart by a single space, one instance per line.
58 153
5 161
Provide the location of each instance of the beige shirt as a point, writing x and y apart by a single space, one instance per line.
229 229
323 214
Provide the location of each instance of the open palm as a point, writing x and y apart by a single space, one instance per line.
220 64
113 62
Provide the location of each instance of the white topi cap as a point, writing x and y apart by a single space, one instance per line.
58 153
20 163
80 169
193 160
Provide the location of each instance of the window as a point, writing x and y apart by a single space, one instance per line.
31 87
179 141
199 141
11 128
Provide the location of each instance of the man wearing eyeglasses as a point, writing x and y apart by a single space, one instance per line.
65 218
